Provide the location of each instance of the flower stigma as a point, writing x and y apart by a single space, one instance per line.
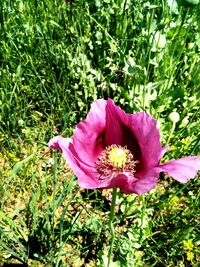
114 160
117 156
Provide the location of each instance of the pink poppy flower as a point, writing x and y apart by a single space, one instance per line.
113 149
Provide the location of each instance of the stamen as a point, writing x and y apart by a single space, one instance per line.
114 160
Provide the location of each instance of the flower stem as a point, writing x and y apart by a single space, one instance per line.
171 132
111 225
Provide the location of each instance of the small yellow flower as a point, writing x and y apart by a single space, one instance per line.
172 148
175 200
188 245
190 255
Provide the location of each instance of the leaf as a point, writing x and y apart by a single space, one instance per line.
19 165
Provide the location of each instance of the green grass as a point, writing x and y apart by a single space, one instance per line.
55 59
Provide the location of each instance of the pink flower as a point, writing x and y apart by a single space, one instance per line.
113 149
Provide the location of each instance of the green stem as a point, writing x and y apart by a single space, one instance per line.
55 170
111 225
143 209
171 132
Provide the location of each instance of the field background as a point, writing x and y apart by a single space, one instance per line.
56 58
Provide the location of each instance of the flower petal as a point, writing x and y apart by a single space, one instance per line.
143 128
122 181
146 182
118 130
54 142
87 178
181 169
88 134
164 150
115 124
138 185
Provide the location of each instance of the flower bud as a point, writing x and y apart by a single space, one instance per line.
174 117
20 122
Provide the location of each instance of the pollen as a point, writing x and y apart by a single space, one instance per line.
117 156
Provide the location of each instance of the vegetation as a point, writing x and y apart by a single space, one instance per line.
56 57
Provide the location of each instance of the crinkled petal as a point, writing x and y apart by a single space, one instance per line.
145 182
143 128
88 134
123 181
87 178
181 169
139 185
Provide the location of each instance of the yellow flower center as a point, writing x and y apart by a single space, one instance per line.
115 159
117 156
